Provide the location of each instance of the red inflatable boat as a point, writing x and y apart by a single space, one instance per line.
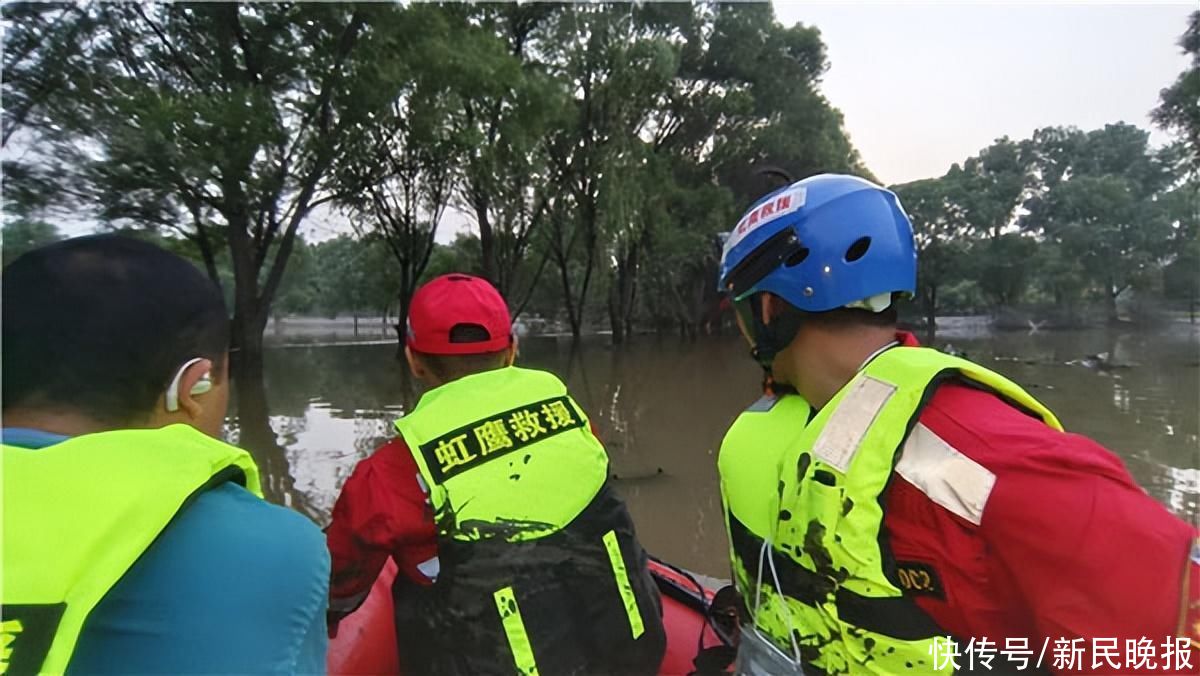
366 642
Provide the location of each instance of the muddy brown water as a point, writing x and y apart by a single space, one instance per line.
662 406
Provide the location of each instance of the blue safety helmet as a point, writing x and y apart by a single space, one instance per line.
826 242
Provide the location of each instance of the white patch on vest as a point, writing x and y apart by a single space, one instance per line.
848 424
430 568
945 475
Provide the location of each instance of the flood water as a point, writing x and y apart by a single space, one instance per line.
661 406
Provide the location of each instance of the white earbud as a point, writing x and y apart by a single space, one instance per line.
203 385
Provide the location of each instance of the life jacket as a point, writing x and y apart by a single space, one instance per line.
750 465
77 516
809 550
540 568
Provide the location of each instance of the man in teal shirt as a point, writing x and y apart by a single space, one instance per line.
106 335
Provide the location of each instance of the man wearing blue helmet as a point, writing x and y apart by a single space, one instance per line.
882 496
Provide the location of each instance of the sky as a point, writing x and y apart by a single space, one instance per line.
923 86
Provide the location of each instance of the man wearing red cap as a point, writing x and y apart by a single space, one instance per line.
515 553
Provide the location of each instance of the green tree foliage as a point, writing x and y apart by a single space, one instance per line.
345 275
578 138
405 168
1179 104
355 276
1181 275
1064 216
990 187
508 183
939 230
1102 208
461 255
299 292
597 150
21 235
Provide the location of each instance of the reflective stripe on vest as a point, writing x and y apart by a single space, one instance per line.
850 616
624 587
482 457
79 513
514 630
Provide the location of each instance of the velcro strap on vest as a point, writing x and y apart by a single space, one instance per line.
898 617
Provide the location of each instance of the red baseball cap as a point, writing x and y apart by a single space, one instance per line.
458 314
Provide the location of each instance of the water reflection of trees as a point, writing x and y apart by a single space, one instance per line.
353 383
251 429
348 378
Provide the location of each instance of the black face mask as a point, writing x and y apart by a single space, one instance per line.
767 340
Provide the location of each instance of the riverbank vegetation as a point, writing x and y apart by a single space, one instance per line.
584 158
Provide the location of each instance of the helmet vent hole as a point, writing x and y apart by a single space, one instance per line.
796 258
858 249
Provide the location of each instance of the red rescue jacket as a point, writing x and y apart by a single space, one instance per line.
1068 545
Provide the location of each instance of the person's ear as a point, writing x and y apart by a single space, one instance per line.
510 355
193 380
414 364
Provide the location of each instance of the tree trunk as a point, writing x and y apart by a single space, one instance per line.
576 328
403 305
931 314
253 414
355 324
629 291
589 222
246 369
573 317
207 255
616 313
1110 300
621 296
487 245
617 324
259 438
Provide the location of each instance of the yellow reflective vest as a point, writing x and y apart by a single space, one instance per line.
805 537
484 438
78 514
518 485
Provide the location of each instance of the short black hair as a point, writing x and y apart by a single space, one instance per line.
100 324
448 367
